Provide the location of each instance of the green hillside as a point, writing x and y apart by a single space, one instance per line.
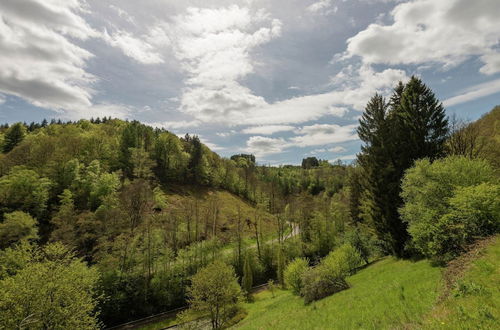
386 294
392 294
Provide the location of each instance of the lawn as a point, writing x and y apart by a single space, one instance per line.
389 294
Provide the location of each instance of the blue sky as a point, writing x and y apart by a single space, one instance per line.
283 79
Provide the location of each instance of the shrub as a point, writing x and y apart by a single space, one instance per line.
342 261
329 276
449 203
293 274
320 283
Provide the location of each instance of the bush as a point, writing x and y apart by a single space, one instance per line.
343 261
293 274
329 276
448 204
320 283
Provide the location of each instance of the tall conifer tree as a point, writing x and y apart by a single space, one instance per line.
412 125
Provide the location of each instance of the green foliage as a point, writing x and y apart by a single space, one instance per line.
247 280
310 162
24 190
293 274
320 283
410 126
448 203
53 291
15 258
362 242
141 163
280 269
329 276
215 291
14 135
17 226
342 261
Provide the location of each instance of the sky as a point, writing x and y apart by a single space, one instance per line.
282 79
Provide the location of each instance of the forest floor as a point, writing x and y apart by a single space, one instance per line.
396 294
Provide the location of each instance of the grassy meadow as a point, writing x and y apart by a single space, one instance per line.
387 294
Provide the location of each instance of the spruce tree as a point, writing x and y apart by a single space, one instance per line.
247 280
281 267
14 135
412 125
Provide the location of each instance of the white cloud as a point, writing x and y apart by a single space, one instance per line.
268 129
353 88
133 47
443 32
176 124
123 14
262 146
2 99
323 7
346 157
307 136
337 149
213 47
210 145
474 92
39 60
322 134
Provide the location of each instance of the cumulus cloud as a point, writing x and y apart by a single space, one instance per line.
353 87
38 59
427 31
262 146
267 129
213 47
306 136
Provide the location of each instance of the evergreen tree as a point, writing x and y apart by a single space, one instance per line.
14 135
247 280
395 134
281 267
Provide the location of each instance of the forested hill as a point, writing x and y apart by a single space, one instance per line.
106 221
146 209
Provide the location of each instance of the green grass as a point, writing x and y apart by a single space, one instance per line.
389 294
475 301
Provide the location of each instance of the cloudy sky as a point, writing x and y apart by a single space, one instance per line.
282 79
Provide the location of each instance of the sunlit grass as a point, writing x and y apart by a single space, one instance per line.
475 301
389 294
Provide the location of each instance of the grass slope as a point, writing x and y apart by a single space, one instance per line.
474 303
387 294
